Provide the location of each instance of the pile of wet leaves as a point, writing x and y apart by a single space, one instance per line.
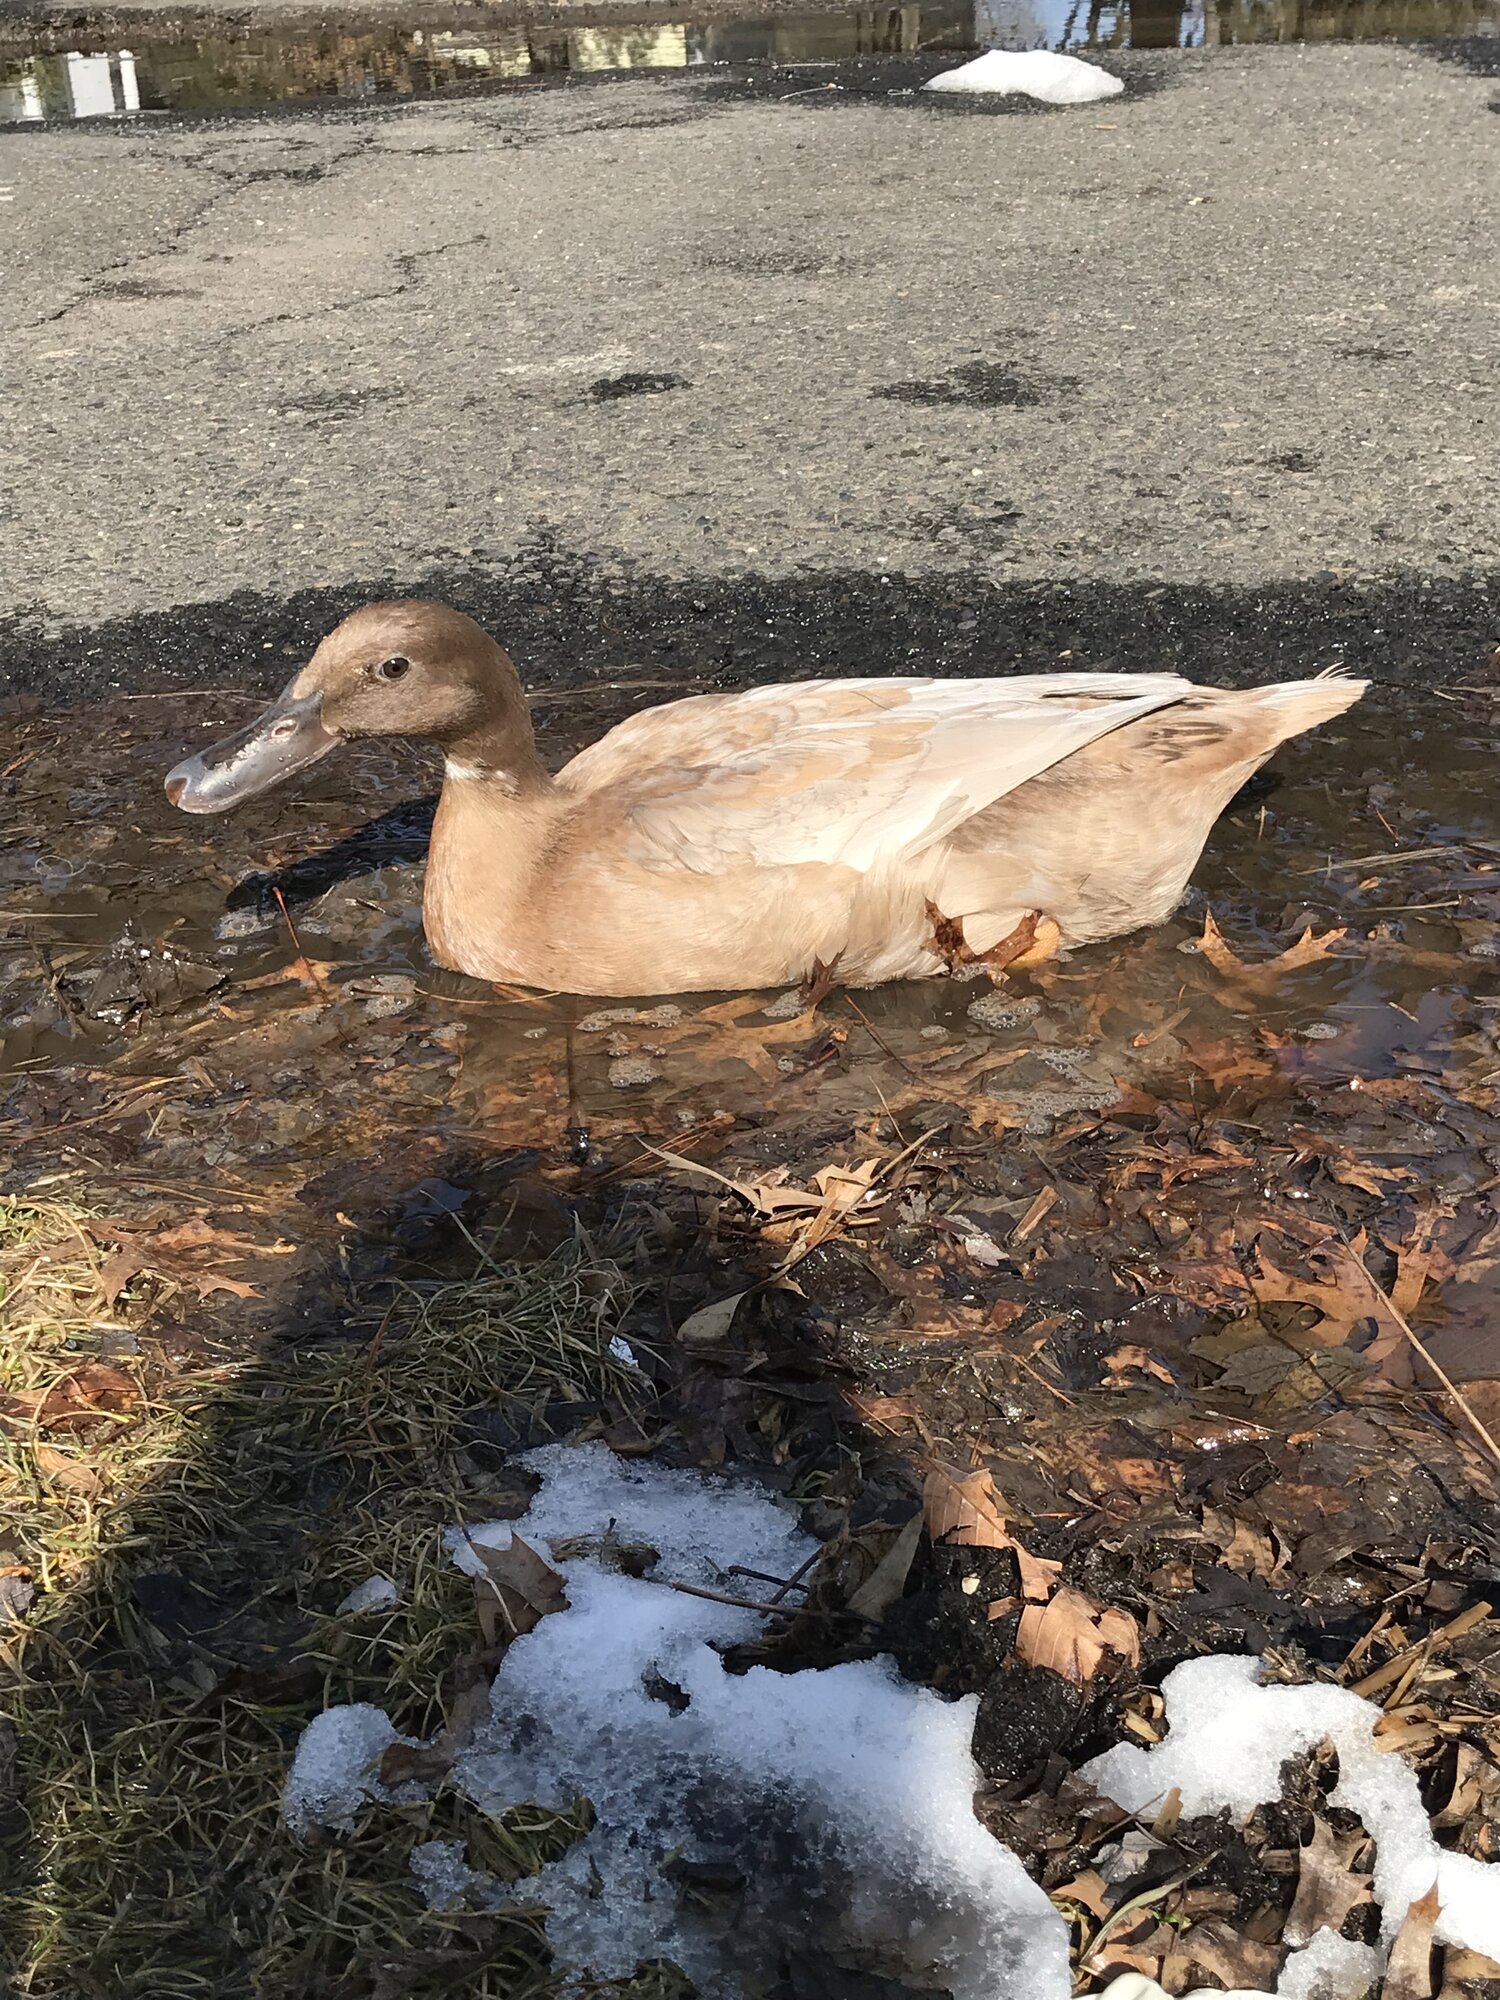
1138 1308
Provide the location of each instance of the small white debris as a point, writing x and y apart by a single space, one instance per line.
376 1593
622 1351
1040 73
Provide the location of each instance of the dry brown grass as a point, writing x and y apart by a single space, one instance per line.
147 1854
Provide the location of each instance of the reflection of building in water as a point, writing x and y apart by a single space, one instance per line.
497 55
629 48
70 86
21 96
800 38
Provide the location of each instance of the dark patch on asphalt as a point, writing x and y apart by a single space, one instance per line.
1478 54
142 288
1292 461
984 525
325 407
772 263
978 385
611 388
572 622
1374 353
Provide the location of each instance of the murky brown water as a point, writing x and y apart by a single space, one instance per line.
95 80
162 1033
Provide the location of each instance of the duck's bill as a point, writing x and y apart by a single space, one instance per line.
284 740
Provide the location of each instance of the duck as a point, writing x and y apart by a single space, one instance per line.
871 829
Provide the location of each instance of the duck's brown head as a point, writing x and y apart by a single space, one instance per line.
409 668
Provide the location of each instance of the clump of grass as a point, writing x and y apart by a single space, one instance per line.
184 1632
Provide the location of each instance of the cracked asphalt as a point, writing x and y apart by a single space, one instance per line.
1233 334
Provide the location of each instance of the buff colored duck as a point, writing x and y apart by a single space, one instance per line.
891 827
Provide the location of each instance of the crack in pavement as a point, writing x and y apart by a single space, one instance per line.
234 182
404 261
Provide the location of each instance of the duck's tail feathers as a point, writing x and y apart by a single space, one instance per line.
1298 705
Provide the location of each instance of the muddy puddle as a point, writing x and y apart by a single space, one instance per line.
248 1002
1135 1250
189 76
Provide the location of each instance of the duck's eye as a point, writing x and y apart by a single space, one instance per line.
393 668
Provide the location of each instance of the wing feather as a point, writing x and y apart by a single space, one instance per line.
855 773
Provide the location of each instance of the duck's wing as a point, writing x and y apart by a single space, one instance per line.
856 773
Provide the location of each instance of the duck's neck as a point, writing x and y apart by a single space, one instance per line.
499 750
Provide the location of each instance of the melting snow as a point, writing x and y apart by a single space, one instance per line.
1038 73
842 1796
1227 1741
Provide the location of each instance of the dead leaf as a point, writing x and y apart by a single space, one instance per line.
1240 1962
887 1581
1071 1634
965 1509
1124 1359
1308 950
91 1395
1243 1547
309 972
517 1591
1340 1299
713 1321
426 1763
1089 1890
71 1474
1036 1215
188 1253
1327 1887
1408 1972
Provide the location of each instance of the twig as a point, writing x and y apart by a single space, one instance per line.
1389 1305
880 1041
302 957
742 1603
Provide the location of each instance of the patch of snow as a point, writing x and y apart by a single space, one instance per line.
442 1873
1228 1739
376 1593
842 1798
333 1772
1038 73
1330 1967
843 1795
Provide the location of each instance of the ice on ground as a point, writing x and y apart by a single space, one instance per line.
1227 1740
1330 1967
333 1772
844 1797
1038 73
376 1593
441 1871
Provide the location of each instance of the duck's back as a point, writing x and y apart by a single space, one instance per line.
852 773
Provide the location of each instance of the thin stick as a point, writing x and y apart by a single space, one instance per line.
1389 1305
317 977
742 1603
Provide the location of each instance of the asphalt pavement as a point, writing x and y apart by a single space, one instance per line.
1228 341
